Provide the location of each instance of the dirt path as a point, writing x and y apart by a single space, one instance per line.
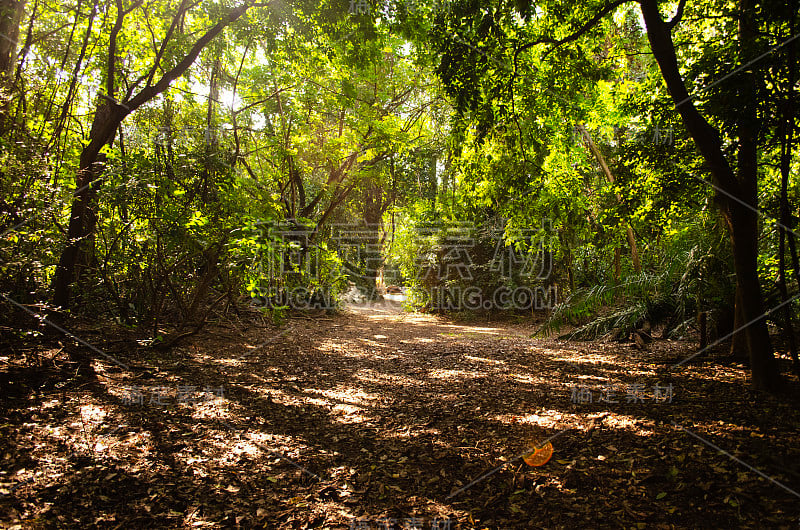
375 415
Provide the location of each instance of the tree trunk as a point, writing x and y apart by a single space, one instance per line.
569 259
788 319
11 12
702 324
738 340
83 217
107 119
211 140
739 194
373 210
744 219
744 238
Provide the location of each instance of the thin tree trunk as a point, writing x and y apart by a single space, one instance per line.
788 320
211 257
569 258
65 57
637 265
787 138
702 324
210 135
60 122
744 220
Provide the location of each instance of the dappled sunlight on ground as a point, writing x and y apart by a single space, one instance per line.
372 413
484 360
454 374
355 396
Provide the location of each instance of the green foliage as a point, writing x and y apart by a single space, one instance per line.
28 240
684 283
281 267
415 123
645 297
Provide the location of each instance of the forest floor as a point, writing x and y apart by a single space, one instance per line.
375 416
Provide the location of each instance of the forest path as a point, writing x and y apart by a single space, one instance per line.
377 413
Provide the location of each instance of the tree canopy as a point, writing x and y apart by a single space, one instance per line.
161 159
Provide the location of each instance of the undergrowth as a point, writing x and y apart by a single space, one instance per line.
688 282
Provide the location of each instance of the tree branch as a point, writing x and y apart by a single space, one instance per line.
581 31
112 44
167 36
150 91
678 16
